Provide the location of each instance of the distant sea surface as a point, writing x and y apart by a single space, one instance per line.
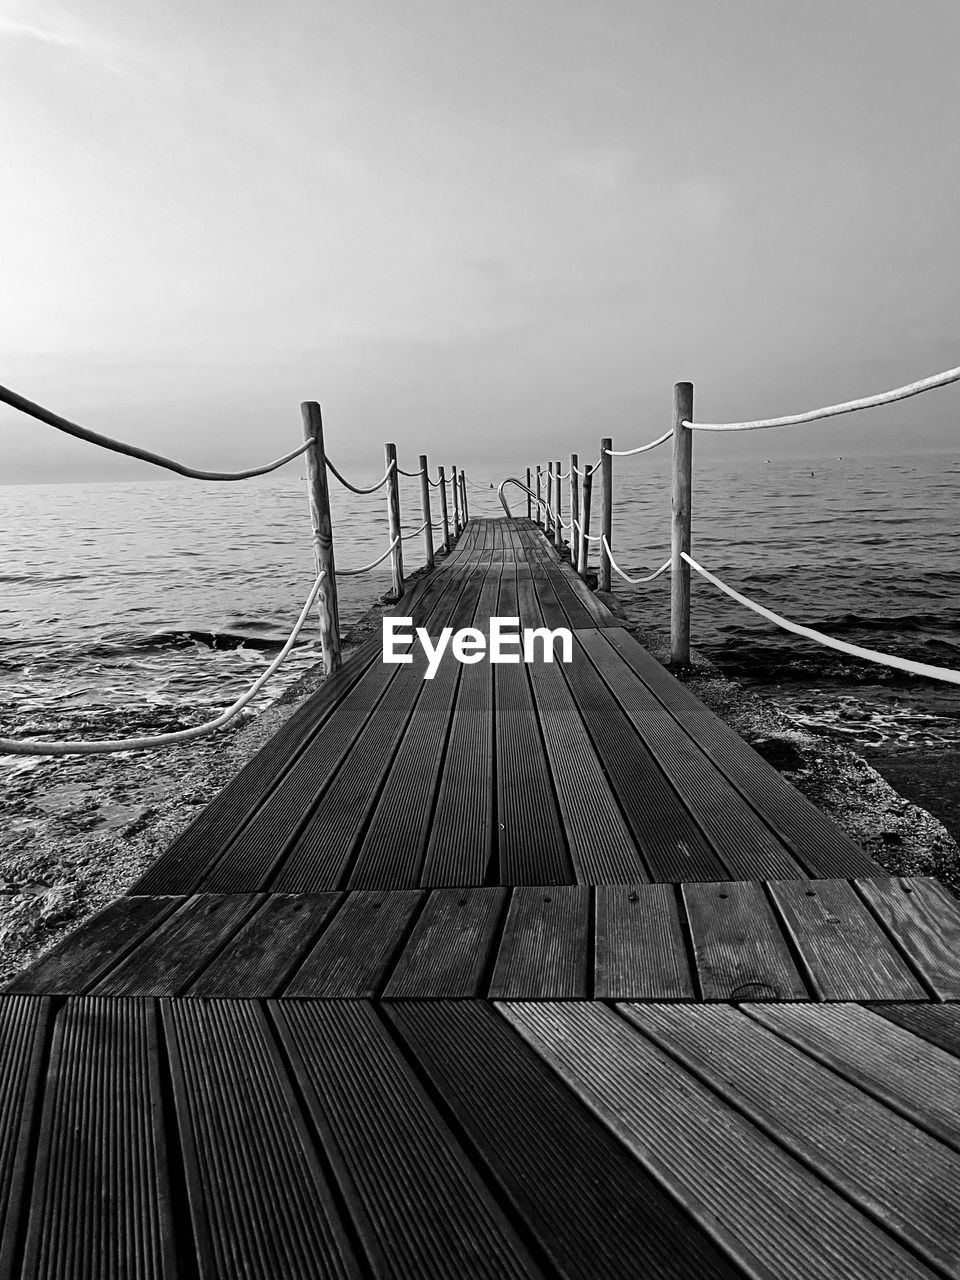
128 608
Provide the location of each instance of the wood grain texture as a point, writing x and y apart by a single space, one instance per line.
739 950
888 1167
640 951
847 954
925 920
729 1177
356 951
543 954
449 949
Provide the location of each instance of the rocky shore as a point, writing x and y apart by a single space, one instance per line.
79 831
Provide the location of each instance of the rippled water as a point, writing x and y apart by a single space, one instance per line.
129 608
864 550
130 602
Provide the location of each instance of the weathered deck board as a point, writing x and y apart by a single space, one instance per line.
925 920
773 1215
886 1166
640 952
561 1169
543 954
397 1162
448 952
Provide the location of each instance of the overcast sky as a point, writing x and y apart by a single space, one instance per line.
492 231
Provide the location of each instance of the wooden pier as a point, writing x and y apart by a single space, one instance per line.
526 970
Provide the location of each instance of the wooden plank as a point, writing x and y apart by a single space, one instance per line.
356 952
924 921
887 1167
260 1203
592 1209
100 1202
640 951
738 948
671 841
531 844
729 839
847 954
906 1072
24 1028
417 1204
75 964
448 952
461 844
543 954
771 1214
601 846
394 846
177 870
817 843
575 612
260 958
529 610
939 1024
245 863
553 614
321 855
170 957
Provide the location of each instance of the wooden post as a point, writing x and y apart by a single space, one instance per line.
547 512
574 509
319 498
539 499
529 499
606 512
455 482
393 514
425 506
558 530
680 525
583 558
464 505
443 510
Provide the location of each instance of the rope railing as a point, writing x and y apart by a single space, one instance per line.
681 433
365 568
842 646
37 747
626 577
356 488
643 448
134 451
833 410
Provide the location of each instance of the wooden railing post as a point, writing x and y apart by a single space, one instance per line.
443 510
574 509
393 514
457 521
529 499
319 498
583 558
606 512
464 505
680 525
539 498
425 506
548 521
558 529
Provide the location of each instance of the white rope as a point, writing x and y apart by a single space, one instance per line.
132 451
871 655
561 475
405 536
350 573
355 488
850 406
625 576
590 537
625 453
34 747
412 474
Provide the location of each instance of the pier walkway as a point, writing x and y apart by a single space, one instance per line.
525 970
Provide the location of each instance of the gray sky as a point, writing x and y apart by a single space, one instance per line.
489 231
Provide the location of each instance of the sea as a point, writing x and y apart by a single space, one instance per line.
139 607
